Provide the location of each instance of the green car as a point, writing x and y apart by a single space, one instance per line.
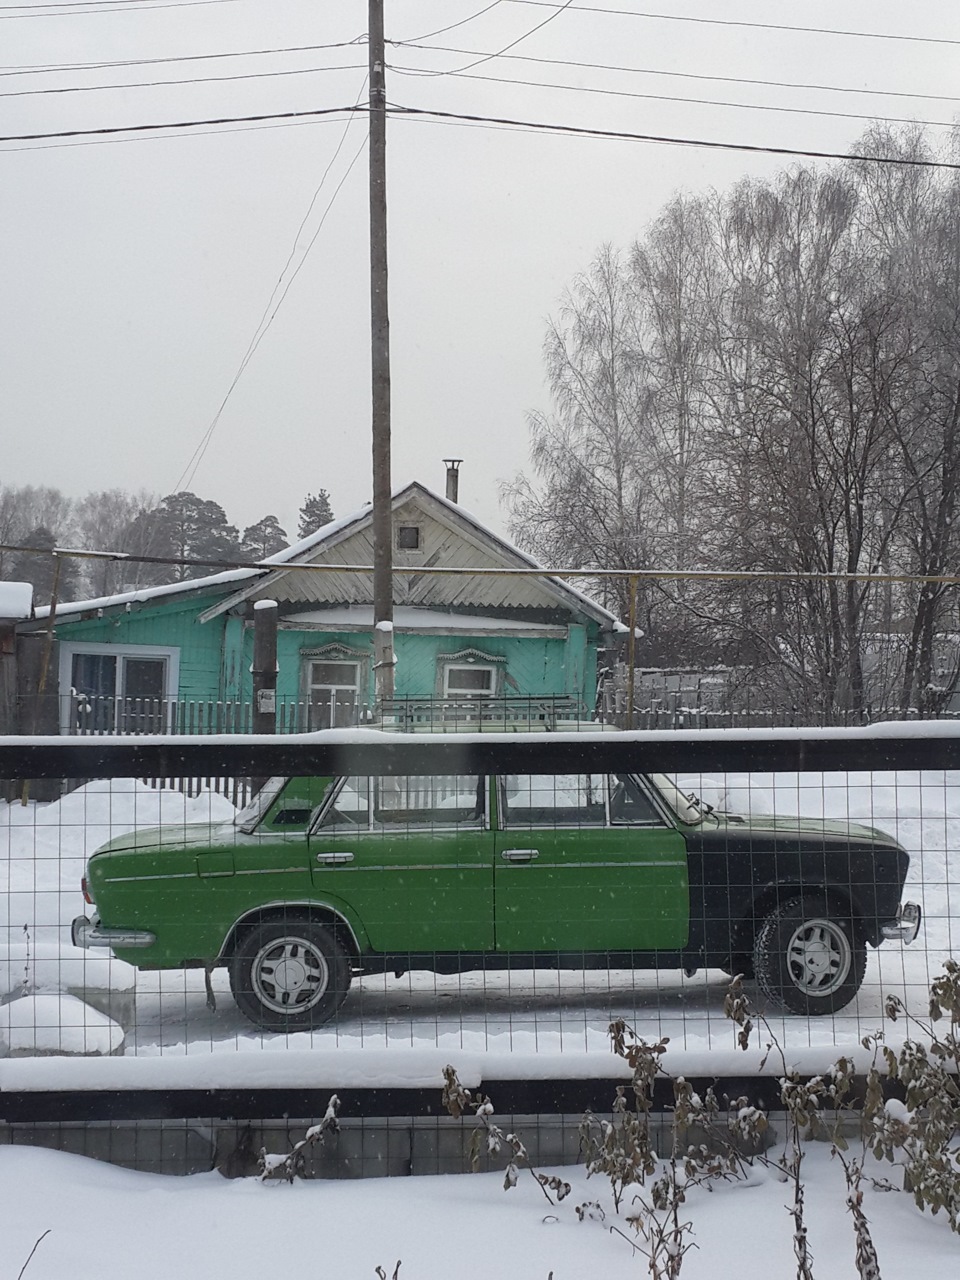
323 879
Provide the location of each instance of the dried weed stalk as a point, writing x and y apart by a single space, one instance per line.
285 1168
487 1135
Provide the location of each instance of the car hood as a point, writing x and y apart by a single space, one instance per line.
202 835
794 826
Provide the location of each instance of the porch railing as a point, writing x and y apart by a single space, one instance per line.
86 715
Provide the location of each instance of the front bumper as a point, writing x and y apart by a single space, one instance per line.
906 926
88 933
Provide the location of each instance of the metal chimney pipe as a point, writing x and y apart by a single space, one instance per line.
453 478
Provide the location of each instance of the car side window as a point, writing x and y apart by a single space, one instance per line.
428 801
351 805
407 802
630 804
553 800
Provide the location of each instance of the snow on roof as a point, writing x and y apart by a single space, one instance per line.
224 578
149 593
410 617
16 600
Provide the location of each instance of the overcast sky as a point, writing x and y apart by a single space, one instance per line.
134 273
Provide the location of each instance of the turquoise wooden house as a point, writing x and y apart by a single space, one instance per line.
477 644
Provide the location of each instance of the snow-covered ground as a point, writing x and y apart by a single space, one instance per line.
536 1023
112 1223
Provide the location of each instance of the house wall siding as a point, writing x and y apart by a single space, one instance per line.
167 626
533 665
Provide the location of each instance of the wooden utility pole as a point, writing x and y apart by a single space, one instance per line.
380 365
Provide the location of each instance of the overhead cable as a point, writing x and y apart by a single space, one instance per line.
487 57
537 126
453 25
268 316
41 69
176 124
733 22
531 571
99 7
665 140
664 97
159 84
682 75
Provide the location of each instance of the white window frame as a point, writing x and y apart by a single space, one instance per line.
331 654
448 667
470 660
68 649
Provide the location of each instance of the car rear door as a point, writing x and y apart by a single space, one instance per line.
587 862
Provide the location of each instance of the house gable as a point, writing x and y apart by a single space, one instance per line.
447 539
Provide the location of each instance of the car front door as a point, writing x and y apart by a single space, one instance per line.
412 858
587 862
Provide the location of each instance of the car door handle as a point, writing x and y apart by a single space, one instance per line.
519 855
334 858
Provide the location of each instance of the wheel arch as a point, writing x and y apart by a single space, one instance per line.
267 912
770 897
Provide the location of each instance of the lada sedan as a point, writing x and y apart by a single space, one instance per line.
322 880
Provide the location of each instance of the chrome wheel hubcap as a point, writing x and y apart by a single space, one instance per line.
289 975
819 957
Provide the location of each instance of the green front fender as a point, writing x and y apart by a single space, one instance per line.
329 904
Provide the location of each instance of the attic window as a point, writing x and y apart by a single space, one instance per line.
408 537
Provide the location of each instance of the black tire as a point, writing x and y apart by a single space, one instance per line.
808 958
289 975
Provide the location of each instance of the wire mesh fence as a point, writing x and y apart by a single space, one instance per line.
503 916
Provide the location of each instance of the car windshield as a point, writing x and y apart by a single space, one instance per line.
248 817
687 805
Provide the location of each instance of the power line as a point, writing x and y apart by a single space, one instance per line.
174 124
158 84
539 571
731 22
663 97
298 71
685 75
76 11
57 68
267 318
166 137
624 136
531 125
487 57
453 25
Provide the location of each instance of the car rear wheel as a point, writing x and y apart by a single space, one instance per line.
808 958
289 975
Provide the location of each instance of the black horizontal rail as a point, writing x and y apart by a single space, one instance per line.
511 1097
335 753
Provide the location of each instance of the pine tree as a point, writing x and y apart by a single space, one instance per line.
194 528
315 513
265 538
41 570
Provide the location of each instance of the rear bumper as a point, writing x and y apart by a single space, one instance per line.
88 933
906 926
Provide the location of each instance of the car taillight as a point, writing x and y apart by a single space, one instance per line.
86 892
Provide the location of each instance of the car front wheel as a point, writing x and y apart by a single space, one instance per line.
289 975
808 958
